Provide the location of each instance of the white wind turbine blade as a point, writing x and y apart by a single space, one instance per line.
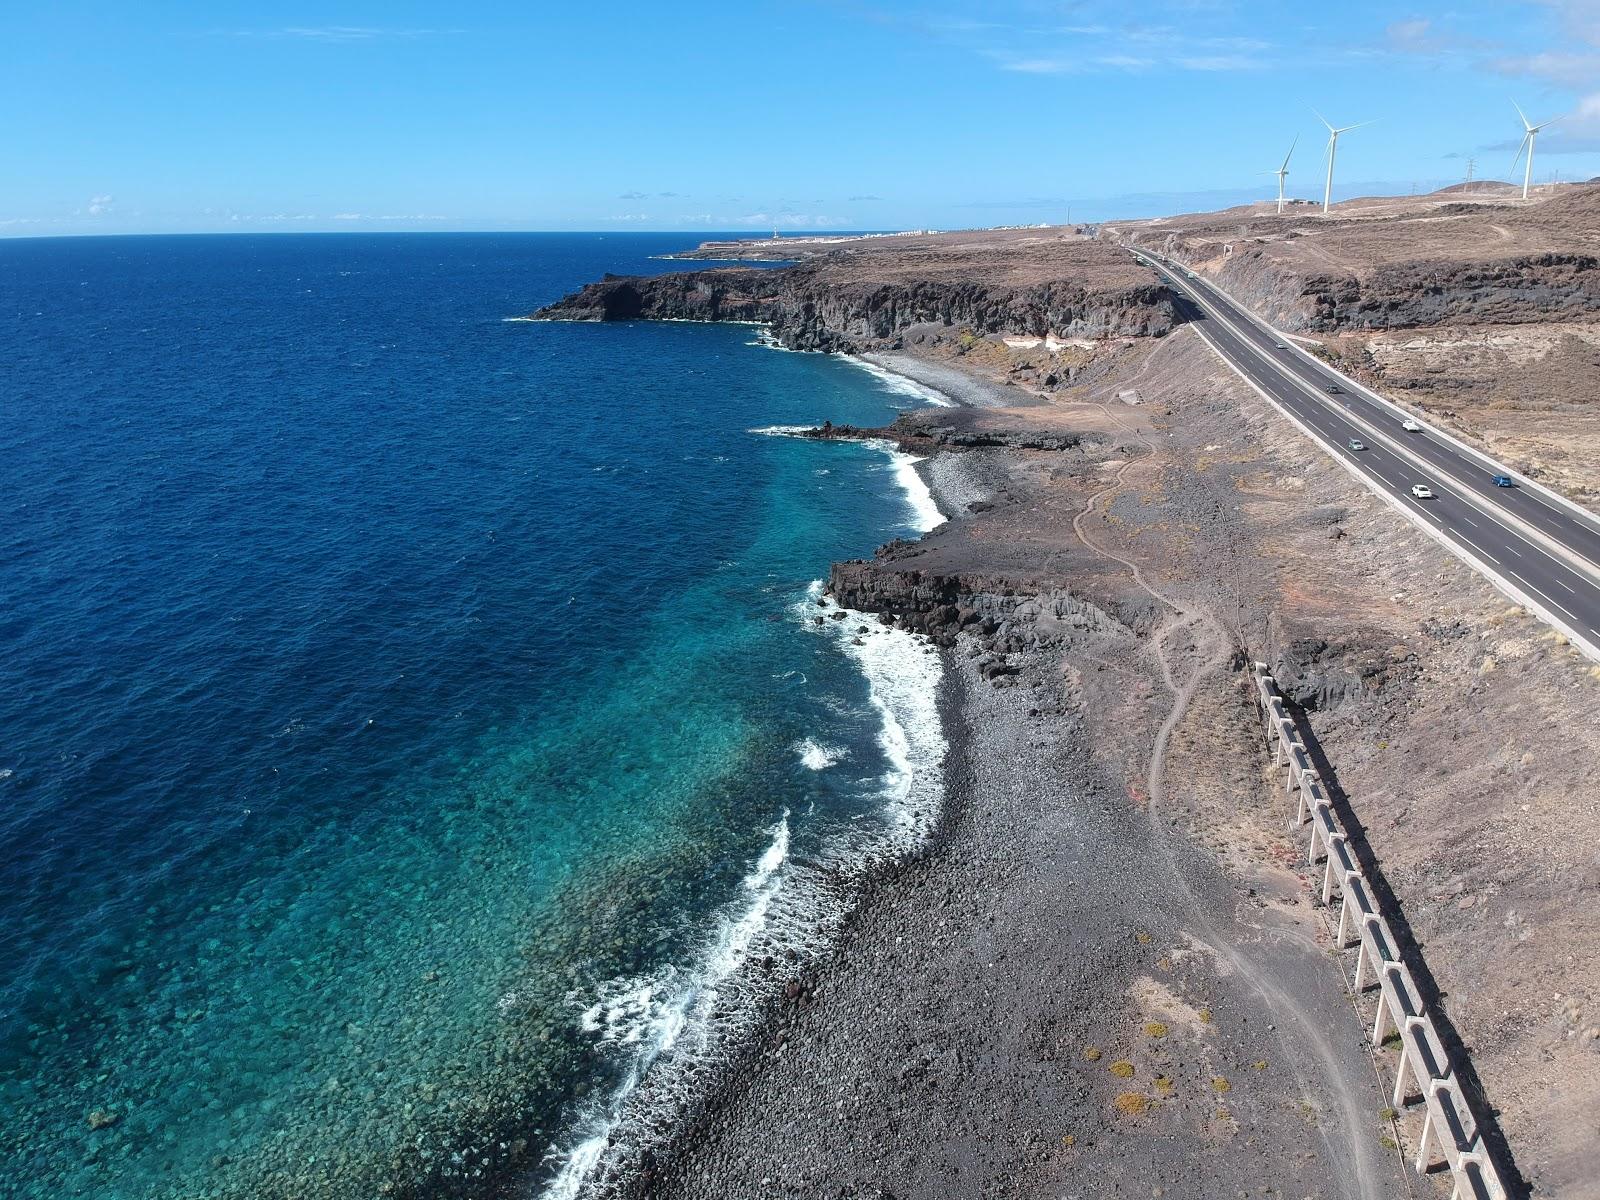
1290 155
1521 146
1324 120
1357 125
1521 114
1546 125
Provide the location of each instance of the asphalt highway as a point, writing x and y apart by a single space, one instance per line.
1541 550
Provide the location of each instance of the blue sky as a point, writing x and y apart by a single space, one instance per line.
824 114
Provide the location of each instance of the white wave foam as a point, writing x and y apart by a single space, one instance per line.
783 430
901 385
650 1014
925 514
664 1022
766 341
902 685
814 756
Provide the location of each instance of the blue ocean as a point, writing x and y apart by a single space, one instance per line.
417 726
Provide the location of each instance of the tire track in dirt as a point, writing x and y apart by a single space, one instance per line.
1363 1178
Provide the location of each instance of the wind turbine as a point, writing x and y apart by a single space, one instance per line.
1282 171
1529 132
1333 148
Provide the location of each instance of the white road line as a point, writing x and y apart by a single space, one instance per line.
1470 521
1542 595
1458 465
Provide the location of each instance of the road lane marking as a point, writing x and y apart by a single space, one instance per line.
1460 463
1454 468
1544 595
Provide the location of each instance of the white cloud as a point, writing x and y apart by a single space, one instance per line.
337 33
100 205
1564 67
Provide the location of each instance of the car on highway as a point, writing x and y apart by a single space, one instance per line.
1333 389
1409 425
1422 491
1281 345
1357 444
1504 481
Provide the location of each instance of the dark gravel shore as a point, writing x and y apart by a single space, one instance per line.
1026 1008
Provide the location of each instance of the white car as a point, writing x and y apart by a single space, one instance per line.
1409 425
1422 491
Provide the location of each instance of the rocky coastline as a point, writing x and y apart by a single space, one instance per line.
854 305
1105 974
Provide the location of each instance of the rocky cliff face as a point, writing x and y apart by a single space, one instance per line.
1524 288
829 306
1531 288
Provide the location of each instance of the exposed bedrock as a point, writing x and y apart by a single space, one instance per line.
1007 617
1360 665
1529 288
817 306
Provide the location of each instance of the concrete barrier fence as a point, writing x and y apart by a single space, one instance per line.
1424 1073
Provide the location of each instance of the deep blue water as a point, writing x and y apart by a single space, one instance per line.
386 689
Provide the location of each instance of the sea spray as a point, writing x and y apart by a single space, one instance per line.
897 384
681 1025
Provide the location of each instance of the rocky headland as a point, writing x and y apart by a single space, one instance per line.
1072 287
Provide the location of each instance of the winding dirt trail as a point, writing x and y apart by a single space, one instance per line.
1355 1148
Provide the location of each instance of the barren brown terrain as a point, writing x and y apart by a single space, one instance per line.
1459 730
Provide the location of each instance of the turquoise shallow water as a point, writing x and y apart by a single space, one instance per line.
405 708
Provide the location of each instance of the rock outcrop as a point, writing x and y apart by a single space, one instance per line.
1510 291
864 302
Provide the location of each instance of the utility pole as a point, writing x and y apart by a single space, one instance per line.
1471 163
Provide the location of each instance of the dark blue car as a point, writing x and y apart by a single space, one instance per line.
1504 481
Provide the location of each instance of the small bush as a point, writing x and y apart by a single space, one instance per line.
1122 1069
1068 1139
1164 1085
1131 1103
1388 1114
1260 1064
1155 1029
1220 1085
1092 1053
1205 1016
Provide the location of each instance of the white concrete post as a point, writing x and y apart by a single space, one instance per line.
1400 1079
1422 1143
1378 1022
1327 878
1344 926
1361 962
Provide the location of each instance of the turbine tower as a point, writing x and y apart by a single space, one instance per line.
1529 132
1282 171
1333 149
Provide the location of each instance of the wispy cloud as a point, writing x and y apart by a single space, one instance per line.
1104 47
338 33
1578 69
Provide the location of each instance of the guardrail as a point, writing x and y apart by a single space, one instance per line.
1448 1122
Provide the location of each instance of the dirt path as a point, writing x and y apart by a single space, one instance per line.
1354 1145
